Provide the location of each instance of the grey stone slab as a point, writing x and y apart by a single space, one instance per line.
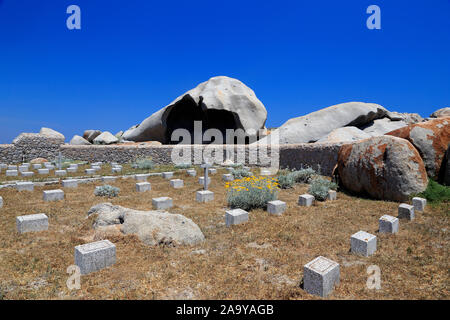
212 171
43 171
25 186
70 183
116 170
143 186
235 216
388 224
37 166
320 276
23 168
201 180
162 203
95 256
90 171
11 167
419 204
332 195
96 168
3 166
72 170
167 175
1 202
11 173
32 223
227 177
53 195
107 179
27 174
191 172
406 211
60 173
204 196
363 243
276 207
141 177
177 183
306 200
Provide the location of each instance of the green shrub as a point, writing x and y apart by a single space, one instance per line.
235 165
147 164
183 166
319 188
286 180
107 191
240 173
252 192
436 193
304 175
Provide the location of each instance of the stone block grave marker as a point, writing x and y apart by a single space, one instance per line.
276 207
388 224
25 186
406 211
306 200
70 183
143 186
419 204
177 183
363 243
32 223
320 276
162 203
204 196
53 195
235 216
94 256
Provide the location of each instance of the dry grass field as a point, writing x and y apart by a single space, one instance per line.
261 259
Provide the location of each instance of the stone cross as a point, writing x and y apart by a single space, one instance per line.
205 166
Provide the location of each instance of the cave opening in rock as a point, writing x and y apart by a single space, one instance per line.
183 114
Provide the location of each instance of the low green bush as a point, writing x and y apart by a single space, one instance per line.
286 180
304 175
107 191
240 173
319 188
183 166
146 164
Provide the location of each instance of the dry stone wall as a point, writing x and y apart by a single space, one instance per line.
29 146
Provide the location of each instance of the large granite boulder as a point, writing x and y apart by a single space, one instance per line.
90 135
50 133
441 113
152 227
409 118
314 126
431 139
79 141
220 103
386 167
345 134
106 138
380 127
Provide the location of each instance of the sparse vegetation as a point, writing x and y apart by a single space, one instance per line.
252 192
319 188
240 173
143 164
436 193
183 166
107 191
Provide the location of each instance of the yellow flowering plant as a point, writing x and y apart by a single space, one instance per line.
251 192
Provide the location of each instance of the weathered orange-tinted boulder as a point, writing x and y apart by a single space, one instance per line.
431 139
385 167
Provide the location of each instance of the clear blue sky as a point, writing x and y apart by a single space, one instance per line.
133 57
